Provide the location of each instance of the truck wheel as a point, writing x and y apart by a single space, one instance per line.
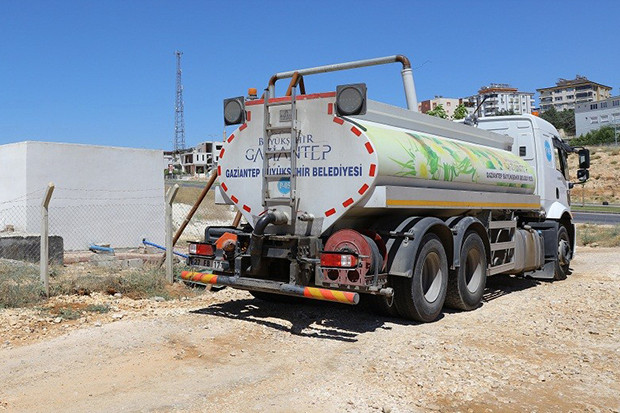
421 297
466 283
564 254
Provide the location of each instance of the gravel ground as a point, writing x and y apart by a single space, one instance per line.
530 347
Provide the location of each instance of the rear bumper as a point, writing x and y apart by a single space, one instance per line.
269 286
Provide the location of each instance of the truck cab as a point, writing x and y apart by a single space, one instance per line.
538 143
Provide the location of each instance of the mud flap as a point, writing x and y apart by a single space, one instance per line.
549 232
402 250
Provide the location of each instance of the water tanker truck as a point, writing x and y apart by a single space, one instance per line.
347 197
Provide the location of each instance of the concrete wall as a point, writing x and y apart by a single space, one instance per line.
13 186
103 194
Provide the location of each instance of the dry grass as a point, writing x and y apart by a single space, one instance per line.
145 282
208 209
598 235
604 177
20 285
189 194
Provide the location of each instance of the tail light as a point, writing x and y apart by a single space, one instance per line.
338 260
201 249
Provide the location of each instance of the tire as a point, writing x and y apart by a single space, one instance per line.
422 296
466 284
562 264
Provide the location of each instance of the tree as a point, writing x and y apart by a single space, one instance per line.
438 111
561 120
567 117
551 116
460 112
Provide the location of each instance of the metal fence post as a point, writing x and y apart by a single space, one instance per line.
44 255
170 195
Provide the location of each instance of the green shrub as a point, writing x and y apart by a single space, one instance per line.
97 308
604 135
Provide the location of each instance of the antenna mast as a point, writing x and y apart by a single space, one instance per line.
179 121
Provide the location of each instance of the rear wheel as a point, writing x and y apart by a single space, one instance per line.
564 254
422 296
466 283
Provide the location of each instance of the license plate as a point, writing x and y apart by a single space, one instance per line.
204 262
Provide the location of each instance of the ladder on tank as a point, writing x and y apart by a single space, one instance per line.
286 158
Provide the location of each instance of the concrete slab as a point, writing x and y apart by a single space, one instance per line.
28 248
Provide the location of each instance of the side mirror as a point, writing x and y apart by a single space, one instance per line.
583 175
584 159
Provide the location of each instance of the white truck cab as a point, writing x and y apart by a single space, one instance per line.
537 142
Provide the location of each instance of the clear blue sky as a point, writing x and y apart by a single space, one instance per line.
103 72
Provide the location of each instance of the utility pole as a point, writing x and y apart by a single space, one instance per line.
179 121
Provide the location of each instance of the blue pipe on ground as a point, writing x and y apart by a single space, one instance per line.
152 244
96 248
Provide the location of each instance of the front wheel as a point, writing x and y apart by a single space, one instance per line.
564 254
421 297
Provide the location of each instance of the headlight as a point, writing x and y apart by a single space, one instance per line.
234 111
351 99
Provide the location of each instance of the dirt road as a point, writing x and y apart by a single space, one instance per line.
530 347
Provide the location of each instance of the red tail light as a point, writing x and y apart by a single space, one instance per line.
338 260
201 249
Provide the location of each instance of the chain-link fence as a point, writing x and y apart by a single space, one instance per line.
85 222
118 219
80 219
207 214
20 227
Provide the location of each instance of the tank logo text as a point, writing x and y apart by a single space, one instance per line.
337 170
242 173
509 176
306 149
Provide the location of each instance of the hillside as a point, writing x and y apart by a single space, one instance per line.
604 183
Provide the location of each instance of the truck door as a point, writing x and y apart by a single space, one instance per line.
554 172
562 175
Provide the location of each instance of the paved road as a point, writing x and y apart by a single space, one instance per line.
596 218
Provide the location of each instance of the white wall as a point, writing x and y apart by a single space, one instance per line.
103 194
13 186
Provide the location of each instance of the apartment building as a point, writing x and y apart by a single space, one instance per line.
590 116
448 104
570 92
200 160
501 97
